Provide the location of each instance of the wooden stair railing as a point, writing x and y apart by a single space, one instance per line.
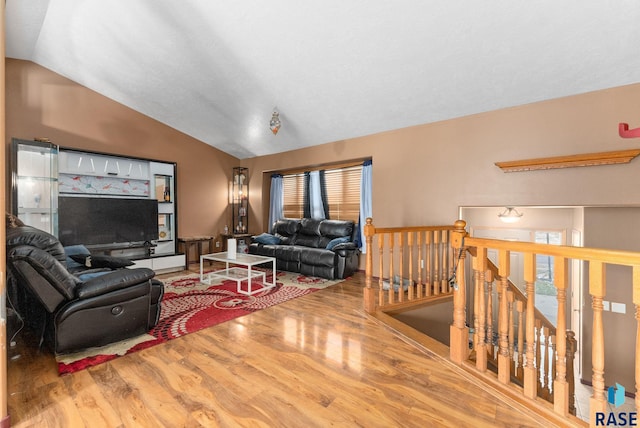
596 259
531 359
406 266
545 336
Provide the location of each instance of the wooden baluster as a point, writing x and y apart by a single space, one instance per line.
391 293
554 365
560 385
510 305
369 295
546 347
571 353
480 267
538 324
476 305
504 269
445 272
459 332
489 279
401 267
381 239
429 252
636 302
453 259
597 284
530 382
420 265
410 244
437 268
520 309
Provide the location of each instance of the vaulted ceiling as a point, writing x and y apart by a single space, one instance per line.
334 69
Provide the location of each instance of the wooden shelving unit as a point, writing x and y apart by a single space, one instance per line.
571 161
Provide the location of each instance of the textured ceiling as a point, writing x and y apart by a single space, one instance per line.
334 69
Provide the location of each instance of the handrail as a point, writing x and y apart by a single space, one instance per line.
619 257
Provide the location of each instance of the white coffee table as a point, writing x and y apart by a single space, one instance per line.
241 270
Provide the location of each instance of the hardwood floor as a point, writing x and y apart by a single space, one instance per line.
314 361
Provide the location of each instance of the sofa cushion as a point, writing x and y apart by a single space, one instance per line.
30 236
286 230
262 250
289 253
286 227
336 228
317 257
310 241
310 226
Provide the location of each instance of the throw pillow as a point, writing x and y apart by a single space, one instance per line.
110 262
336 241
266 238
74 250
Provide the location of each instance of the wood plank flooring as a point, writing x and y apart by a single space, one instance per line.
315 361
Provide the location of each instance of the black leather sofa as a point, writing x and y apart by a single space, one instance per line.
322 248
79 310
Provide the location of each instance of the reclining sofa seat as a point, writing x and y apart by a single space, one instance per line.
303 247
76 313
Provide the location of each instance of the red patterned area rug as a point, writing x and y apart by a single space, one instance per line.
189 305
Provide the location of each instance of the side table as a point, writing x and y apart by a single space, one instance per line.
196 242
225 237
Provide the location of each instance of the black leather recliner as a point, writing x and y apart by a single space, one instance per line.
74 313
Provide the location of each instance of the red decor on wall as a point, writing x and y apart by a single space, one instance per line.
625 132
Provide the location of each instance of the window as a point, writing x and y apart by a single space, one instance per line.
342 193
293 189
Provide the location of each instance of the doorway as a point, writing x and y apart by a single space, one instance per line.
547 225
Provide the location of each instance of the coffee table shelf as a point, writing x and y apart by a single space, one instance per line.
241 270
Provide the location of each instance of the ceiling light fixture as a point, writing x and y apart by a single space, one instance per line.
275 123
510 215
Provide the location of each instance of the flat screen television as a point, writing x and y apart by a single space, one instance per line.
106 221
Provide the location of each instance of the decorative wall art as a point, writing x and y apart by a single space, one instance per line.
92 185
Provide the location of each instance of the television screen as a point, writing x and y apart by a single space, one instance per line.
106 221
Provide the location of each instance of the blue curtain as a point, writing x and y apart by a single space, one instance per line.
365 203
276 207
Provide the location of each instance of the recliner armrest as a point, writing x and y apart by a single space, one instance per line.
112 281
345 248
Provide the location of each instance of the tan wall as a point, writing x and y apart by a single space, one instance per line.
612 228
41 103
422 174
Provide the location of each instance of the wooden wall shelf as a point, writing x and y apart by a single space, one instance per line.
586 159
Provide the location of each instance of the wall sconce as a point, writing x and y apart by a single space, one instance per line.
510 215
275 123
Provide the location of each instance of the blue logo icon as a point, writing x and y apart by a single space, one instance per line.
616 395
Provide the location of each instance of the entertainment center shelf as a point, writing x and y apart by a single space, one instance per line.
112 204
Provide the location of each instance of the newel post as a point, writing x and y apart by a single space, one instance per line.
369 295
459 332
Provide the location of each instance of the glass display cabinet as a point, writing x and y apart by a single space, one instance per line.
240 200
34 183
